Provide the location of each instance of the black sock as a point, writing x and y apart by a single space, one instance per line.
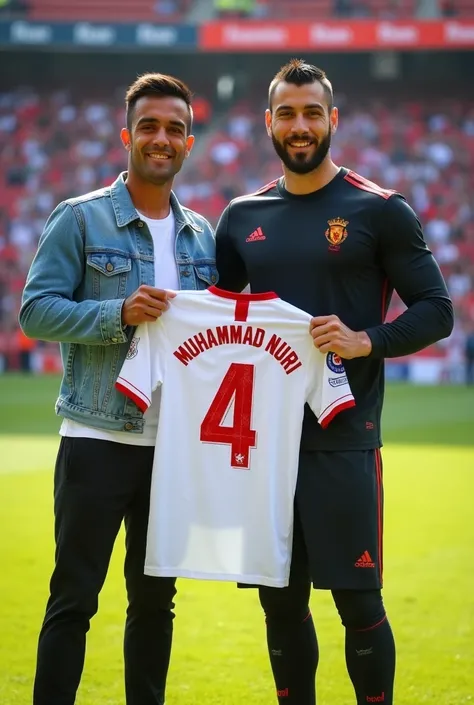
293 650
370 658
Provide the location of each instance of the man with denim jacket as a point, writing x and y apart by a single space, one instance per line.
92 281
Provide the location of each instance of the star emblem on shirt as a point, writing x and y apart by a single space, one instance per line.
239 458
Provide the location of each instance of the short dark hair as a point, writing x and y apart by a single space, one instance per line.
298 72
158 85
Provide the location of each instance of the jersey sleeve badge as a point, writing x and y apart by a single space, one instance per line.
334 363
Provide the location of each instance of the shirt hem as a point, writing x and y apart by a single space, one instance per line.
228 577
74 429
341 446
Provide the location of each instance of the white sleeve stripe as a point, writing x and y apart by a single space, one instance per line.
337 402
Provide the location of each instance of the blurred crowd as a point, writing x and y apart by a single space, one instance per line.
158 10
55 146
176 10
314 9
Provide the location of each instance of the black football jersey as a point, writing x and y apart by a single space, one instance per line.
340 250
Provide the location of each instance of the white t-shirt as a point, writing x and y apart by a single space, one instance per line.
235 370
166 277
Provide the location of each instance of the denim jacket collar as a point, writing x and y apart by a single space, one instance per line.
125 211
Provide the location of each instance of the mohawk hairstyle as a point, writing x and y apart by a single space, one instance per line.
299 73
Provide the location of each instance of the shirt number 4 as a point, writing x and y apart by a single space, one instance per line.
237 386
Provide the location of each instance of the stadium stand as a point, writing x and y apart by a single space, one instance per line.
57 145
319 9
315 9
104 10
176 10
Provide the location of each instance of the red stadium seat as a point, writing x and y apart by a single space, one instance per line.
104 10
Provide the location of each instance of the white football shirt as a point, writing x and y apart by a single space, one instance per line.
235 370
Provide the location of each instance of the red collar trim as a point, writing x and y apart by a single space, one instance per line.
266 296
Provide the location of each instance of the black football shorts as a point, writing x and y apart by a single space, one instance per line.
339 502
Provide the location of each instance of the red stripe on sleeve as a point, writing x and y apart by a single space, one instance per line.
384 299
379 479
345 405
366 185
142 405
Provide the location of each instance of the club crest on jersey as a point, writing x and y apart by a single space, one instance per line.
334 363
133 349
336 233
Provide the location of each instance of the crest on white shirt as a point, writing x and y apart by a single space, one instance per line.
133 349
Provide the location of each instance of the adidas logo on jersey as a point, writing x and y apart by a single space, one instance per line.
256 235
365 561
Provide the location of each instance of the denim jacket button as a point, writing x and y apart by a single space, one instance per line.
186 273
109 267
213 278
115 340
140 224
128 426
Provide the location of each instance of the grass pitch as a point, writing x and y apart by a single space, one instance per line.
219 654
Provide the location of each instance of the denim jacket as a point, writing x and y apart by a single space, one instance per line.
94 252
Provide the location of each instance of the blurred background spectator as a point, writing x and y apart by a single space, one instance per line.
411 130
57 144
182 10
13 8
234 8
317 9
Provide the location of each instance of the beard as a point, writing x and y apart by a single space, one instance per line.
301 163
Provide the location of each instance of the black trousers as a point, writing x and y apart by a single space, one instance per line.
98 484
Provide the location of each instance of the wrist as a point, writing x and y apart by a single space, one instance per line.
122 315
364 344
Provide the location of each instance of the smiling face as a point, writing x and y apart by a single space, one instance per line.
301 123
158 140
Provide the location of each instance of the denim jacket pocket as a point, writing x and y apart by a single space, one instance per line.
206 275
108 274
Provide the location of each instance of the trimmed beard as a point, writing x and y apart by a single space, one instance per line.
300 164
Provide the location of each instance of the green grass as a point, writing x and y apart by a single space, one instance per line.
219 656
443 415
27 404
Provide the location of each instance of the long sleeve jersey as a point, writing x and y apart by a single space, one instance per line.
342 250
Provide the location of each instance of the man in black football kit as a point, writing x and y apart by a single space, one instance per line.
336 245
